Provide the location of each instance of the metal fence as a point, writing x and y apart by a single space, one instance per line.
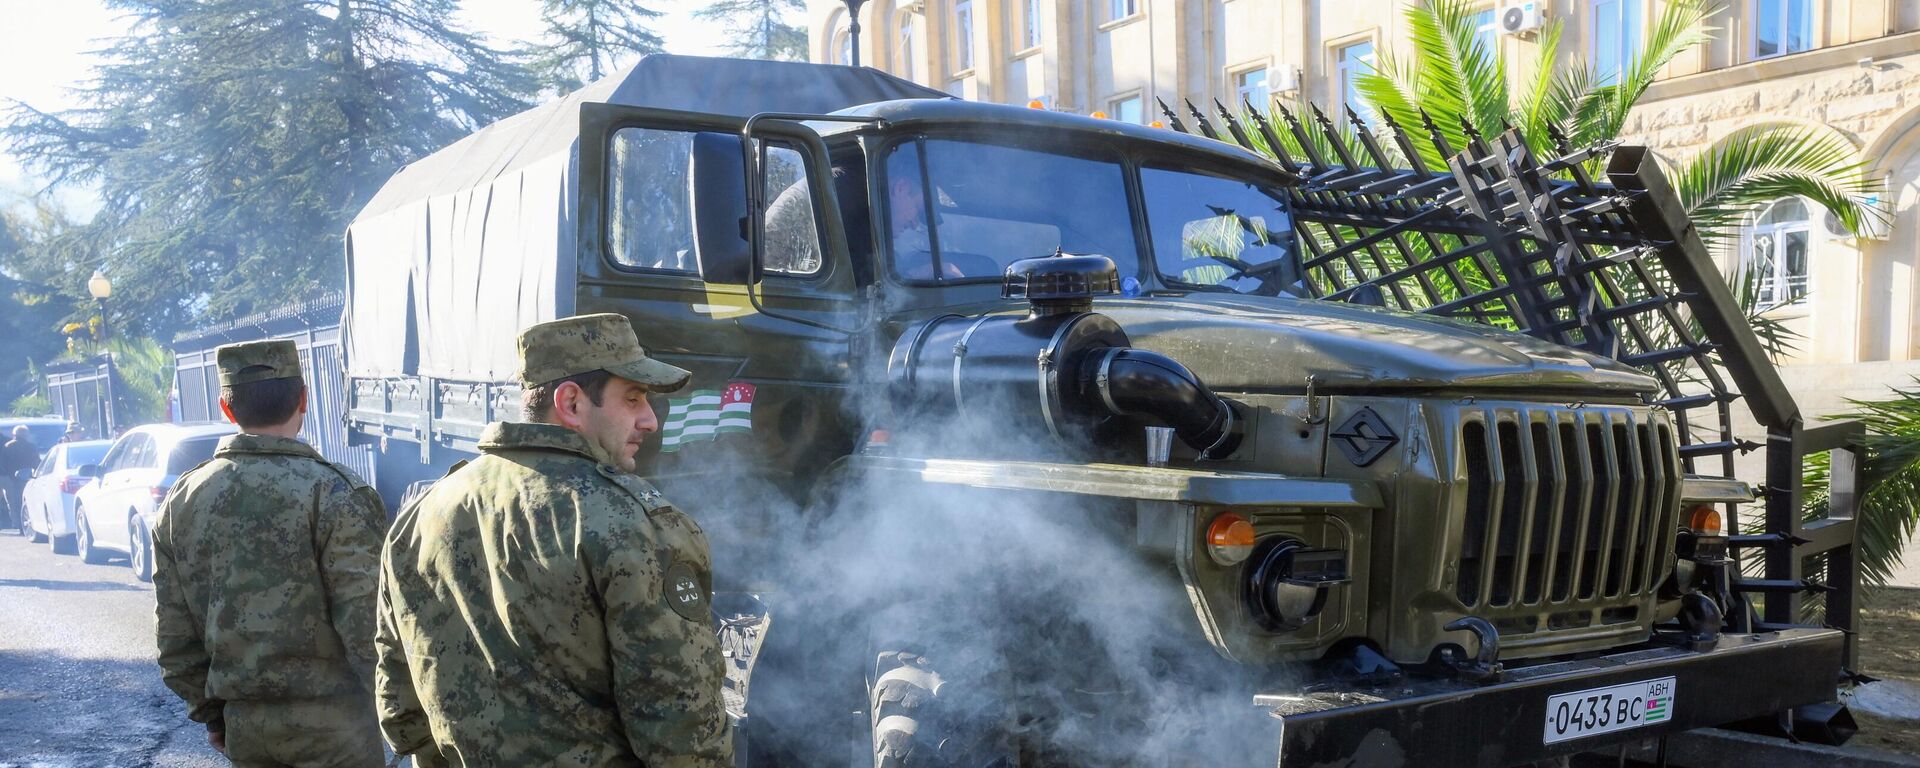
314 328
82 393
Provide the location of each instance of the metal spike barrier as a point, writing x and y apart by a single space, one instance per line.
1535 244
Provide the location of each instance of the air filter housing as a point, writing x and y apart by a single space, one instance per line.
1060 283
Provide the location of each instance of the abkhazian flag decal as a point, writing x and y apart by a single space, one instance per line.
706 413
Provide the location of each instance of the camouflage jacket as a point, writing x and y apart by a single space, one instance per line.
266 562
540 607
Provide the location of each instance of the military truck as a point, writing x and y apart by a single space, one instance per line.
1404 463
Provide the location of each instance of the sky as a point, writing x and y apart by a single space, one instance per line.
46 46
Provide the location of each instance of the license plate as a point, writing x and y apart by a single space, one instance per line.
1605 710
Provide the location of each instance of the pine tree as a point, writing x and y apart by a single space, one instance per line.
585 38
232 140
35 299
759 29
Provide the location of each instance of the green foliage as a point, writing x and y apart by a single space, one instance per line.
1890 477
584 38
143 379
232 140
758 29
32 302
1456 82
30 405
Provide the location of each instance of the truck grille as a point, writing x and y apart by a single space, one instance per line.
1565 506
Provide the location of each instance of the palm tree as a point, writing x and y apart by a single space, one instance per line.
1453 82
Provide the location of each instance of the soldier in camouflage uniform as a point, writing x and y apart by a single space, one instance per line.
542 605
266 563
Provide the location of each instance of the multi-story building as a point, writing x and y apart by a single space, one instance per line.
1849 68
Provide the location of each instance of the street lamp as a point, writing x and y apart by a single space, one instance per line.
853 27
100 288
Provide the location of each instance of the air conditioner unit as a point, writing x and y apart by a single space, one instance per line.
1284 80
1520 18
1876 227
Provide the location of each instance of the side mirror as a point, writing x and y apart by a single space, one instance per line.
88 470
718 177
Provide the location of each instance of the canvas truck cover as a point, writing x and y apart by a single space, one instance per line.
462 248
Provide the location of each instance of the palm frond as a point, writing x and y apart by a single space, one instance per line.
1760 164
1681 27
1889 482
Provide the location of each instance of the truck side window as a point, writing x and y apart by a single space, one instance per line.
792 244
650 225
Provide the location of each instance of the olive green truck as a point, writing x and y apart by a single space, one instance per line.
1357 457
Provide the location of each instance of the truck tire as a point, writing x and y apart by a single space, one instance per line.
912 728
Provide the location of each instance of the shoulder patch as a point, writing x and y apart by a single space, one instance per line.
649 497
686 591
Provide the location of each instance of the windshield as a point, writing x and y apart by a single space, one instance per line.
991 205
86 454
1215 231
191 453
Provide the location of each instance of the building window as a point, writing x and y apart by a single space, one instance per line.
1353 61
1616 37
1486 29
963 35
1775 251
842 46
1128 109
1250 87
905 64
1031 20
1120 9
1781 27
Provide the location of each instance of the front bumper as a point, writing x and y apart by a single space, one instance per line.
1502 724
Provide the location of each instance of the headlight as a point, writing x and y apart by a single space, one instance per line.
1286 582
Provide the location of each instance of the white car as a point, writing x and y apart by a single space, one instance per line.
48 497
115 512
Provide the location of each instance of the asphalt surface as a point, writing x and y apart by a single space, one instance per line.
78 684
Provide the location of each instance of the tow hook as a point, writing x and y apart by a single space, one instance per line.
1484 668
1701 619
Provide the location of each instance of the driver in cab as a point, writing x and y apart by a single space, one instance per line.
912 245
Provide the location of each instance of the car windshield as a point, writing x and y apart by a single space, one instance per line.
86 454
961 211
990 205
190 453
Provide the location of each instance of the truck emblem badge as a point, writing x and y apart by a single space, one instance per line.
1364 437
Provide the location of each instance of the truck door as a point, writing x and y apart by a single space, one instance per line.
767 379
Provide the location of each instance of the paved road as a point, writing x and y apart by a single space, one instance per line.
78 685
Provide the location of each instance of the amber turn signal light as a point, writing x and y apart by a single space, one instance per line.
1230 538
1705 520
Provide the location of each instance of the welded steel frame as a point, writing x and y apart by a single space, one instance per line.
1505 235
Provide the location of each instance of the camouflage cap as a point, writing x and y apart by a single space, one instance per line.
605 342
257 361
